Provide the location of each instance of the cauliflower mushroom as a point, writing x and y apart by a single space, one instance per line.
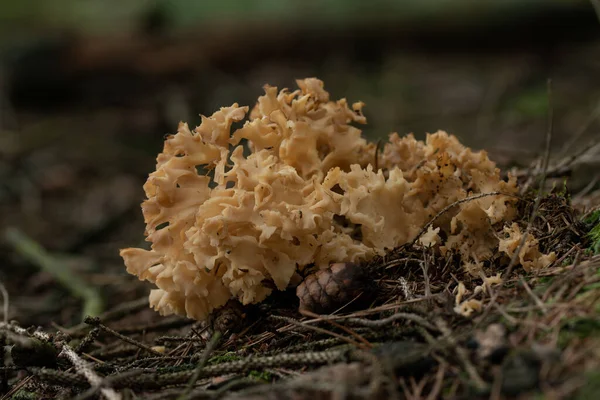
224 224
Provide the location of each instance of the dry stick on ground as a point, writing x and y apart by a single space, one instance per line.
316 329
87 341
387 307
352 318
150 379
389 320
36 254
345 329
13 327
536 299
96 323
83 368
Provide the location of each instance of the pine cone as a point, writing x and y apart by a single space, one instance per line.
229 318
329 289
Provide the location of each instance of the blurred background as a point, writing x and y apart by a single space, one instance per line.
88 89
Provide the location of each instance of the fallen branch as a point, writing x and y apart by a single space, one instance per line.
83 368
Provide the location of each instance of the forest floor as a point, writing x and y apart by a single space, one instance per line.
71 184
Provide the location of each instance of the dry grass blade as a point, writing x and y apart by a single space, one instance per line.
96 323
345 329
317 329
17 387
537 300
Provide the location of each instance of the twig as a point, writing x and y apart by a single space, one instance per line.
509 318
316 329
399 261
345 329
205 354
96 323
86 370
87 340
13 327
91 393
386 321
36 254
536 299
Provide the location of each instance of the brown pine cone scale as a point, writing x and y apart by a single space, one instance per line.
329 289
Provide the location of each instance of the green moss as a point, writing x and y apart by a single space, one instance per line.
24 395
591 388
175 369
530 103
593 221
225 357
582 327
262 375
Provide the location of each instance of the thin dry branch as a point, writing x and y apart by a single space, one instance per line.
96 323
317 329
85 369
345 329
